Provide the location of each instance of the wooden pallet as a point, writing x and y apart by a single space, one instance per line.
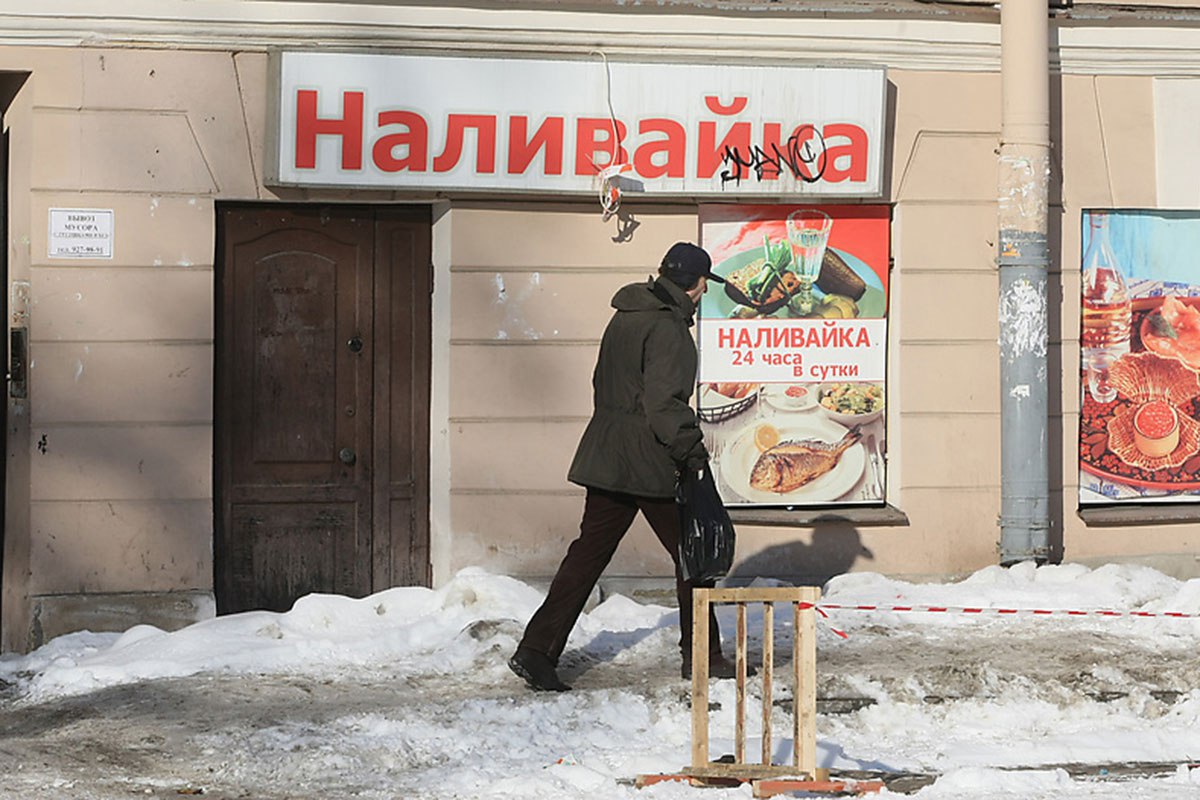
803 600
766 777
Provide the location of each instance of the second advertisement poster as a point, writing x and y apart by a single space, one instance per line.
793 353
1139 371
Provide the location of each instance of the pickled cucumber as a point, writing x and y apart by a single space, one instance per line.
849 307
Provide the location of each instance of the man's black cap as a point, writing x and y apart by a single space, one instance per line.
690 259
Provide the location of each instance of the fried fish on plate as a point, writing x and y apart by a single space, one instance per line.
790 465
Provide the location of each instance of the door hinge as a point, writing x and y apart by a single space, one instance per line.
431 277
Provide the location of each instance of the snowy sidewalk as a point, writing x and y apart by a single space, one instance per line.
405 695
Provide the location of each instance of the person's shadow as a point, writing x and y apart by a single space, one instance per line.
833 550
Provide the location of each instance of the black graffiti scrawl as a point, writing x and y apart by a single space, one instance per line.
798 156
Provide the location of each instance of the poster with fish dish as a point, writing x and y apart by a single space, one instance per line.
793 352
1139 420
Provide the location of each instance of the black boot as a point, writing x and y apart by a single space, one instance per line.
537 670
718 667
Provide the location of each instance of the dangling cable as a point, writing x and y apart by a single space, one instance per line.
610 191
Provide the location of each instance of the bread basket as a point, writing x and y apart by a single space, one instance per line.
716 407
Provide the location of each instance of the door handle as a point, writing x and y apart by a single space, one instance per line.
347 456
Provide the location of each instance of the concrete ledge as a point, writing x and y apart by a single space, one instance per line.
57 614
1142 514
812 517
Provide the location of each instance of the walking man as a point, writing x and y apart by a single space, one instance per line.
642 430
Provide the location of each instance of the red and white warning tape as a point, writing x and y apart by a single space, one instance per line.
981 610
990 610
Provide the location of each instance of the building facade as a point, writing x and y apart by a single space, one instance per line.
439 340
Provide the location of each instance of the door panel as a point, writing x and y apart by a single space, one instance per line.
292 320
294 404
286 550
293 382
402 397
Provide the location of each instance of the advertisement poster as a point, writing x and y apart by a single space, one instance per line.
1139 438
793 353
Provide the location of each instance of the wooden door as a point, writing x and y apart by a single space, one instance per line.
403 283
307 403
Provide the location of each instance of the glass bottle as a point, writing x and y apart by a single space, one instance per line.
1104 336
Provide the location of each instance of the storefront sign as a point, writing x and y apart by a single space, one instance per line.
1139 420
793 353
487 124
80 233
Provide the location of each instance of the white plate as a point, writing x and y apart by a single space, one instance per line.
776 394
739 458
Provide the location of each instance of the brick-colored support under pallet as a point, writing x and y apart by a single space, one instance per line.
766 777
769 787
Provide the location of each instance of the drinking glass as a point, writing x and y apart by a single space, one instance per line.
808 234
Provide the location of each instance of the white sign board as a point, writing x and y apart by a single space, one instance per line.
488 124
80 233
1176 121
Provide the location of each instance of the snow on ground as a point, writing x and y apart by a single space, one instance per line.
406 694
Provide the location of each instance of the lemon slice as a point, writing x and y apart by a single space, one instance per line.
766 437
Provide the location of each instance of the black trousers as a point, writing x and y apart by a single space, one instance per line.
606 518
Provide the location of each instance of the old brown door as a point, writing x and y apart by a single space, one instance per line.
321 451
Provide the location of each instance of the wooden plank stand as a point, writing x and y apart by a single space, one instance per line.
767 778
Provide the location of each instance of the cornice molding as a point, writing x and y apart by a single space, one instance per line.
898 43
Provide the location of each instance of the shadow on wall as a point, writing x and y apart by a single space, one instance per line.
833 550
626 225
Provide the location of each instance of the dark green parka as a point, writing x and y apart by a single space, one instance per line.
642 427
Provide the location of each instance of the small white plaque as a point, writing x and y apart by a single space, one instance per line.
81 233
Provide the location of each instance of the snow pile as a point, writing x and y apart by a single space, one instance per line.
1113 587
997 706
409 629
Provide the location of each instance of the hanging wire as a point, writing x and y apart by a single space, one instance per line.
610 191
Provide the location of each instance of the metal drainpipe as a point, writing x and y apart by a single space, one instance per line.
1023 183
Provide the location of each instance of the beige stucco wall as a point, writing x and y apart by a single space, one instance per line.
119 453
1107 125
527 318
115 461
534 343
525 327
